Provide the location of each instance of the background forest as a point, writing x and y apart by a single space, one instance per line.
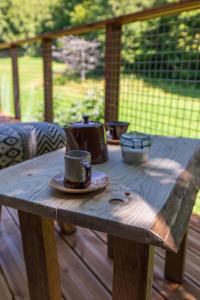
23 18
20 19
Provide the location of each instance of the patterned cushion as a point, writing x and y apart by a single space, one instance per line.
22 141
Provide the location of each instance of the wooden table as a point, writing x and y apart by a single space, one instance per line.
163 192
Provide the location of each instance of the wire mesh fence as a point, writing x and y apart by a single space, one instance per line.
161 83
30 84
6 95
77 79
160 77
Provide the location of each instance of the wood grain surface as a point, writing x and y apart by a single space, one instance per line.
175 263
84 263
40 255
161 190
133 270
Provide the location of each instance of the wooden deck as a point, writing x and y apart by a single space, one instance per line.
86 271
7 119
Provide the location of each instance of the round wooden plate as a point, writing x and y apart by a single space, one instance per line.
99 181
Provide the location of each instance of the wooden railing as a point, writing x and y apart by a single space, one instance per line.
112 26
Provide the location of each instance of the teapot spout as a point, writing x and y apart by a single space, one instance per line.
71 141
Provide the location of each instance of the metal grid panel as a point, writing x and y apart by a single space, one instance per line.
76 93
160 86
160 77
6 94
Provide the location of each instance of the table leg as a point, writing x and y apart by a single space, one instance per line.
174 263
110 245
67 228
0 212
133 270
40 256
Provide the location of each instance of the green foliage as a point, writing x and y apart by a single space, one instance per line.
171 44
59 15
21 18
94 107
88 11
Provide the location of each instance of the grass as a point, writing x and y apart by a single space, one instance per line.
150 105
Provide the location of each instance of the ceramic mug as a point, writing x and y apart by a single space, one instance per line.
117 128
77 169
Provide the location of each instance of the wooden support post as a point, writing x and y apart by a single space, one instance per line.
0 214
112 70
174 263
67 228
15 76
48 82
40 256
110 245
133 270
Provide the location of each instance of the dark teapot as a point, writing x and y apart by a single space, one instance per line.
89 136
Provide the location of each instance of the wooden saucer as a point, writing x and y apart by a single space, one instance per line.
99 181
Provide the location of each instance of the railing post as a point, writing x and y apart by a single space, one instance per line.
15 76
112 70
47 73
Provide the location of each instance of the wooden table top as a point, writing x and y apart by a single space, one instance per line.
163 192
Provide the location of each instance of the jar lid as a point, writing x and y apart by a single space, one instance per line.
85 123
135 140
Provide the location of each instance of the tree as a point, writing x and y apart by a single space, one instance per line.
59 15
88 11
81 55
21 18
171 46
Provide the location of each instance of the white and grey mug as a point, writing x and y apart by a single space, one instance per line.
77 169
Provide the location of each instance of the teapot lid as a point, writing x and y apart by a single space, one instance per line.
85 123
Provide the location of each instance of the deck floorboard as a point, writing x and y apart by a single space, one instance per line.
86 271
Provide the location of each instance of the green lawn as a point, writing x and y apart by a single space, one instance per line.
66 91
152 106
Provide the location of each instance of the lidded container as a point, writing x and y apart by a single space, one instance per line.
135 147
89 136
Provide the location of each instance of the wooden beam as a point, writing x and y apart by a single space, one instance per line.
112 71
15 77
175 262
40 256
133 270
146 14
48 82
110 246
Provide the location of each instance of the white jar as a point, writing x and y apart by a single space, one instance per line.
135 147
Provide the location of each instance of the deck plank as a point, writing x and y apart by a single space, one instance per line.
85 266
195 223
169 290
5 293
11 259
78 283
192 263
